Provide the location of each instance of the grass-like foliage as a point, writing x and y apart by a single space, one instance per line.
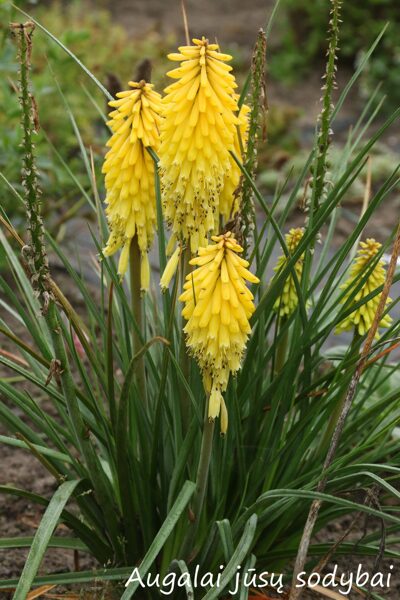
112 405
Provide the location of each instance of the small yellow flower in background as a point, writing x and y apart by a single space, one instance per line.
362 317
129 173
288 300
218 306
197 135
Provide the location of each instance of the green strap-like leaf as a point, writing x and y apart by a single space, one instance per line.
183 568
225 533
237 558
42 449
75 578
162 536
54 542
42 538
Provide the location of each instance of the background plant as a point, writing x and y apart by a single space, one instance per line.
304 25
84 32
130 506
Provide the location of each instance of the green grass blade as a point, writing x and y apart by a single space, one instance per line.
54 542
78 578
42 538
237 558
162 536
42 449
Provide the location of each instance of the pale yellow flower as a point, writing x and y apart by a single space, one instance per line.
287 301
170 269
129 173
197 135
362 317
218 306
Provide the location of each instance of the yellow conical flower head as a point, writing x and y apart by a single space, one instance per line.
196 137
218 306
287 301
129 171
362 317
229 200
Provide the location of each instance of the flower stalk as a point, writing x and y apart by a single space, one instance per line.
338 408
201 486
137 302
34 253
184 358
258 109
281 350
130 200
325 132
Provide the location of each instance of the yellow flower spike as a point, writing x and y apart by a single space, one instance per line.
197 135
129 173
362 317
218 306
287 301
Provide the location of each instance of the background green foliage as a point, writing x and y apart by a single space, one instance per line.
84 32
302 41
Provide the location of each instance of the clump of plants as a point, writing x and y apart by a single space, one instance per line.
201 415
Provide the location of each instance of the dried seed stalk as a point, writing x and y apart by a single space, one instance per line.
325 133
34 252
258 109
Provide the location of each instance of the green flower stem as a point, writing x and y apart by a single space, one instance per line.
143 72
184 359
282 348
137 311
337 411
320 168
35 253
201 486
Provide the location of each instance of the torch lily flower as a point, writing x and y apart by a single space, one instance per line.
287 301
129 173
218 306
197 135
362 317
